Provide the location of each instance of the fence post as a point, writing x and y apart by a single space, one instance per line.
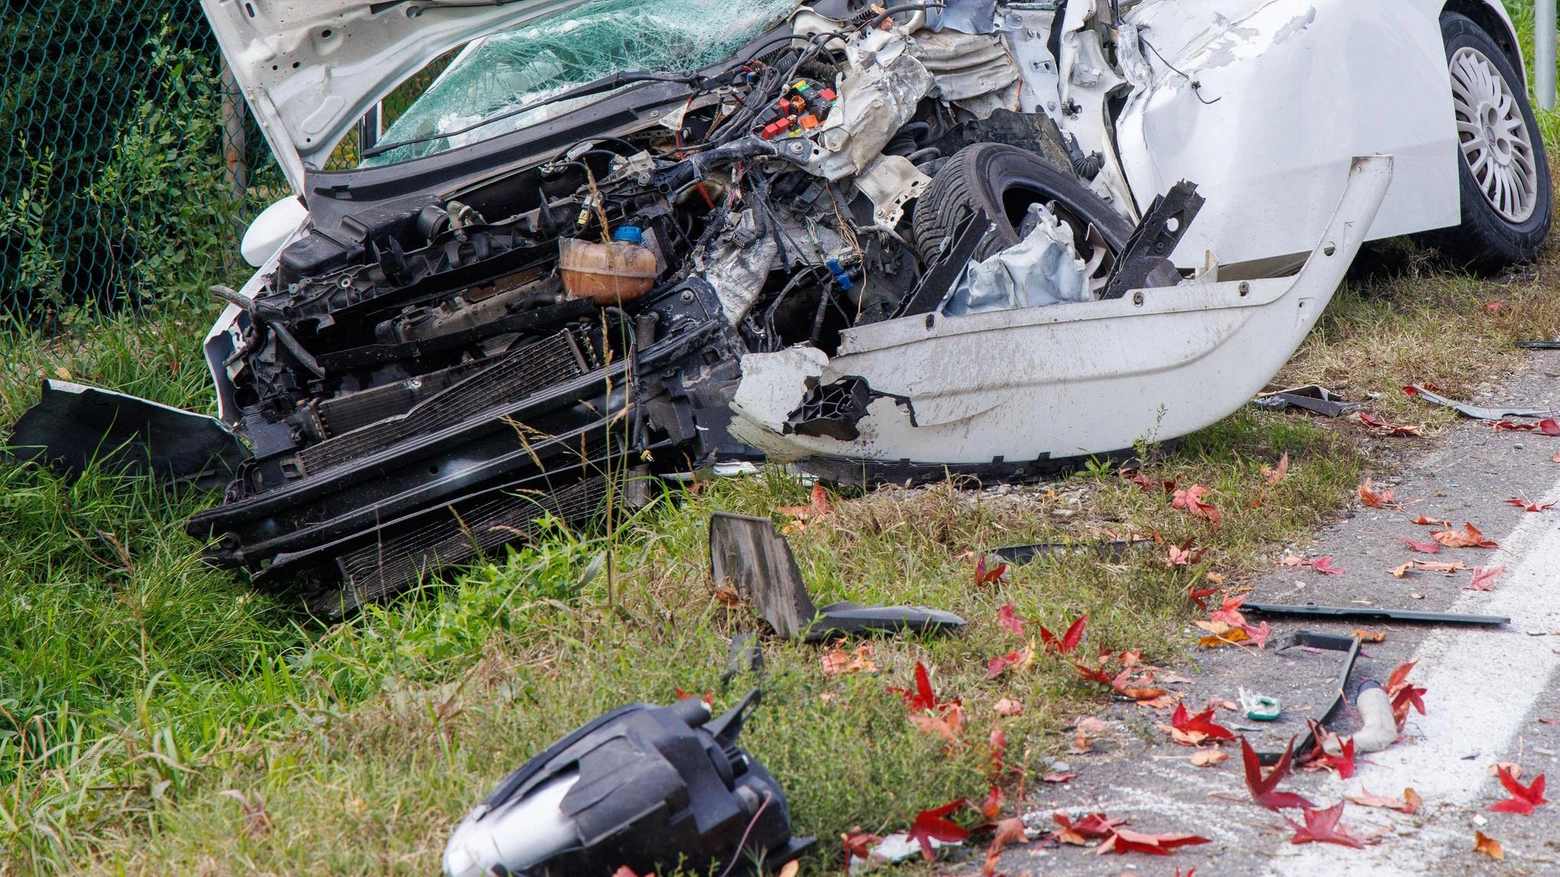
1544 51
233 136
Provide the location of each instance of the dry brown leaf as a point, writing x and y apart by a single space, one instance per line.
1370 636
1275 475
729 597
1008 707
838 662
1483 843
1413 799
1209 757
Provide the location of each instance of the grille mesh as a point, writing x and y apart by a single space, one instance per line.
514 377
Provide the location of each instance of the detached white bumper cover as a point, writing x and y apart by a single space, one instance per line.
1066 380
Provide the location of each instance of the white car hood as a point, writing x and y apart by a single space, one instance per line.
311 68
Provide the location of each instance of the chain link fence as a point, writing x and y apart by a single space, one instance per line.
127 160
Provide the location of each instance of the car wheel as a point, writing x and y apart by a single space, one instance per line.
1003 181
1503 173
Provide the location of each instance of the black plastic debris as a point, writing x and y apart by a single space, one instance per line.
1474 411
74 425
647 787
1312 398
1114 551
747 554
1367 613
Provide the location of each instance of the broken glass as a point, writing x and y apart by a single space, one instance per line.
554 54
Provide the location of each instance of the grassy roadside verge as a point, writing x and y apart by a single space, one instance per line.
140 688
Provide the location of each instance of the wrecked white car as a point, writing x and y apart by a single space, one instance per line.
628 239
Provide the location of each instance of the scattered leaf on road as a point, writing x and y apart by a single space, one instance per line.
1264 788
1372 499
1523 798
1125 841
1529 505
1008 831
1321 826
1422 547
935 825
1408 804
1484 577
1468 537
1483 843
1209 757
1091 827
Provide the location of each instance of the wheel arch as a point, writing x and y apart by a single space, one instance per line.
1493 19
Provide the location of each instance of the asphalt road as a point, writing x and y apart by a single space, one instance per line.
1487 689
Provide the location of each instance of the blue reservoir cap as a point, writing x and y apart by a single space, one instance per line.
631 234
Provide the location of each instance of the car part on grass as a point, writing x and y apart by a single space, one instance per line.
1474 411
1312 398
743 656
749 555
1378 726
646 787
72 425
1350 647
1364 613
1114 551
1260 707
1538 345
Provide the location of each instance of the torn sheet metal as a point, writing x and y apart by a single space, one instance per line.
1475 411
1042 269
1312 398
74 426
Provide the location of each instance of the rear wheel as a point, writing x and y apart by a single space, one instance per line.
1003 181
1503 173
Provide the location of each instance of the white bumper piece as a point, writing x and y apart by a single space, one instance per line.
1072 379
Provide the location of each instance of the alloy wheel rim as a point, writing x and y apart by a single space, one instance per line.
1493 136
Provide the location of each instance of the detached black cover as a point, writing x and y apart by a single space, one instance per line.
73 424
747 554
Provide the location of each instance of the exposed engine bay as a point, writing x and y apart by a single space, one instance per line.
428 381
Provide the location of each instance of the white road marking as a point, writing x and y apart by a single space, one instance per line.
1482 684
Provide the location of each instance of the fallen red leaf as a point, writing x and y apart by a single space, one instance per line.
922 698
996 744
1324 566
1191 500
984 576
1068 641
1426 522
1380 425
991 808
1549 426
935 825
1484 577
1264 788
1528 505
1510 426
1090 827
1022 659
1008 831
1371 498
838 662
1321 826
1183 555
708 697
949 725
1200 595
1124 841
1523 798
1229 611
1136 476
1404 694
858 844
1007 707
1468 537
817 507
1421 547
1197 728
1058 778
1320 759
1009 621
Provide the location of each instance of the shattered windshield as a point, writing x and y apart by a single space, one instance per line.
546 57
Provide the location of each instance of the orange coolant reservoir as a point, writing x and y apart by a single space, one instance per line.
608 273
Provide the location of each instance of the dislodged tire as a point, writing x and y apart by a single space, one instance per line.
1503 173
1003 181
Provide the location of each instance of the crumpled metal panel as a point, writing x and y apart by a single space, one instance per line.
1042 269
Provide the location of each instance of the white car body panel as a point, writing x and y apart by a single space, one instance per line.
311 69
1288 91
1069 379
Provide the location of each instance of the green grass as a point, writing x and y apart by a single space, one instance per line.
139 685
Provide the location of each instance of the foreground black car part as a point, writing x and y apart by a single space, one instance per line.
650 788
